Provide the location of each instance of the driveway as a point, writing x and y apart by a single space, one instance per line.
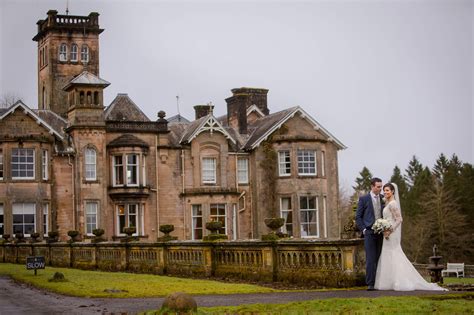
17 298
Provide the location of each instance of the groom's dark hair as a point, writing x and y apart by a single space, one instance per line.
375 180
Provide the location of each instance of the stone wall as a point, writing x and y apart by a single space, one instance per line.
327 263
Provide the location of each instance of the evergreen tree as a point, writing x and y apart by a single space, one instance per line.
398 179
413 171
441 167
363 181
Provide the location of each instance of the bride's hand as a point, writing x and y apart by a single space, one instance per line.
386 234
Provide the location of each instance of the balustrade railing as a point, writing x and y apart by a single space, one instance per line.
294 261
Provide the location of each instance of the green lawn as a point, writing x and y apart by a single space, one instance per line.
93 283
458 280
445 304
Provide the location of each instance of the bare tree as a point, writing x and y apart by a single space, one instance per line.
7 99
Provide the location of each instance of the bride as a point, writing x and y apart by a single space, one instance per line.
394 270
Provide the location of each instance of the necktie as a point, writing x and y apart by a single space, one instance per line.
377 207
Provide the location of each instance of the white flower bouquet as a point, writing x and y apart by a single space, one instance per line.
381 225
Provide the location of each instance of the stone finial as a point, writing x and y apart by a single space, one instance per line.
161 114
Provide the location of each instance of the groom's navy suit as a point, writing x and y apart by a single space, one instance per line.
365 218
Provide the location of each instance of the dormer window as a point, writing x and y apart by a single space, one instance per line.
85 53
74 51
63 52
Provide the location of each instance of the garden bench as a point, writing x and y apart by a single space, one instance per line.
457 268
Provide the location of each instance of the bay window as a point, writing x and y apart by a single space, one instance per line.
129 215
126 169
306 162
284 165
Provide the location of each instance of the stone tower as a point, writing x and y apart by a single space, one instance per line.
67 46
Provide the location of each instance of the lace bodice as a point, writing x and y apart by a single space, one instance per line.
392 213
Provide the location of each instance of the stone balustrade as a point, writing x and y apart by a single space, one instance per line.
330 263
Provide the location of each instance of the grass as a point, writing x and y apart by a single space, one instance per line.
436 304
451 280
124 285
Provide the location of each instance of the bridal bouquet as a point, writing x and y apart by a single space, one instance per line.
381 225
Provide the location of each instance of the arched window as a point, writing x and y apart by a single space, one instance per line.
96 98
63 52
85 53
44 98
90 163
74 52
89 97
81 97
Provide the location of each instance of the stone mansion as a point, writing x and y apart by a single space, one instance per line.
75 164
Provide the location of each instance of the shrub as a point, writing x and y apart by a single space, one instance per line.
98 232
58 277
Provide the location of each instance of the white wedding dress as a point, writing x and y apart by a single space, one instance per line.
394 270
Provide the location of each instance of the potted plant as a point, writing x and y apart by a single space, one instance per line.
129 231
5 238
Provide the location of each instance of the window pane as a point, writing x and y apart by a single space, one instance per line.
287 214
132 169
209 170
90 161
284 165
197 222
22 163
242 171
218 214
306 162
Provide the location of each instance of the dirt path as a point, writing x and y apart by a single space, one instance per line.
17 298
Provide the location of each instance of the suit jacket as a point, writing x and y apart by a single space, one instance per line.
365 212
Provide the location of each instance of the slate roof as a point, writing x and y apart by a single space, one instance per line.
87 78
177 119
123 108
127 140
54 120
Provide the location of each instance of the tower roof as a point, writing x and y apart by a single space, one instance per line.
55 22
87 78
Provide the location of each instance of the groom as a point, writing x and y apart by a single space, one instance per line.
369 209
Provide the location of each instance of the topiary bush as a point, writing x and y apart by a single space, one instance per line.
74 235
53 236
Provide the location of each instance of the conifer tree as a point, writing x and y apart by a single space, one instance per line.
363 181
413 171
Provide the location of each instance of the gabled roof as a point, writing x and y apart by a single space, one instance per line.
207 123
127 140
87 78
254 108
123 108
265 126
177 119
41 119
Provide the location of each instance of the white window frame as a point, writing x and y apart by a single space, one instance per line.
85 53
90 161
325 216
19 163
44 165
218 216
308 210
132 166
138 217
19 209
284 213
323 163
195 216
74 52
306 162
209 170
2 221
45 219
2 170
115 172
92 210
63 52
243 170
284 163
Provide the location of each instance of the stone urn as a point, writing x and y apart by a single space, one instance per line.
129 231
35 237
166 229
19 238
74 235
274 223
214 227
98 235
53 237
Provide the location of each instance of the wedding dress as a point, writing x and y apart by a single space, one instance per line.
394 270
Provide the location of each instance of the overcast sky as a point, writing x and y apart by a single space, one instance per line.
389 79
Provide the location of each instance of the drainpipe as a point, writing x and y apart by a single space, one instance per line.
157 163
73 192
234 222
182 191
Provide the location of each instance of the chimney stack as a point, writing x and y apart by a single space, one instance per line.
240 101
203 110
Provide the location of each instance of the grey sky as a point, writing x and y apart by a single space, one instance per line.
390 79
